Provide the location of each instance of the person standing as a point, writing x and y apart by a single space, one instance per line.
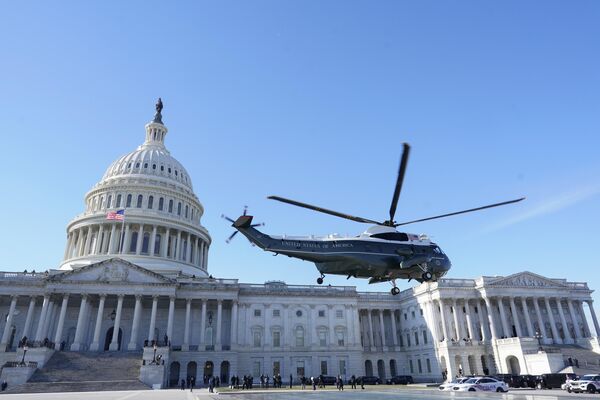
192 383
291 381
340 383
183 384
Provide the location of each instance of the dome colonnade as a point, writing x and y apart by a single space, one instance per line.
161 229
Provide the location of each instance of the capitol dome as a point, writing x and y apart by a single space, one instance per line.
161 230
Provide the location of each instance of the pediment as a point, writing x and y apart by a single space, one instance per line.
526 279
114 270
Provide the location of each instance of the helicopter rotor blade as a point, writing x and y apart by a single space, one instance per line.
227 218
461 212
324 210
231 237
399 181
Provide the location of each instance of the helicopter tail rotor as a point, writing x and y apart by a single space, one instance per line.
243 222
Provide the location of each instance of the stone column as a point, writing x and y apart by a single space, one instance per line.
201 259
186 330
563 321
505 329
594 318
88 237
177 252
140 240
203 325
113 239
442 311
39 332
490 310
29 317
195 252
61 321
234 325
530 329
356 323
170 319
586 327
114 344
77 345
98 249
220 322
153 241
574 319
48 318
126 239
165 246
153 320
433 323
287 332
371 339
483 322
205 261
542 326
469 321
7 327
456 322
515 316
188 256
555 335
95 346
394 330
382 328
135 325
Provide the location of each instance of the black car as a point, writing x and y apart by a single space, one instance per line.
552 381
369 380
513 381
400 380
328 380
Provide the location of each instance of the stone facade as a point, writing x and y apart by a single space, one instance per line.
143 284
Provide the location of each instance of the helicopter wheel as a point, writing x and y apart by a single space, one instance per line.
395 291
426 276
320 281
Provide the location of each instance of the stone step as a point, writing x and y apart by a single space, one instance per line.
84 386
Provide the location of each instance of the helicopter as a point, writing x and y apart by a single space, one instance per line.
381 253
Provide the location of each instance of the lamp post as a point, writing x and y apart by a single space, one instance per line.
25 348
538 336
154 357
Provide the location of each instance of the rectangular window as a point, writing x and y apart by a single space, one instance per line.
322 338
405 316
342 366
256 370
428 365
257 313
276 313
323 367
416 338
425 337
419 366
257 339
276 339
401 341
412 313
321 313
299 368
339 313
276 368
340 339
408 339
410 364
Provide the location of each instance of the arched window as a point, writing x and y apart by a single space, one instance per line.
157 245
179 209
150 202
161 203
118 201
146 243
128 203
133 243
186 210
109 201
170 206
139 201
153 166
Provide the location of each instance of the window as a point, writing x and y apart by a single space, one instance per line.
161 204
412 314
428 363
339 313
186 211
405 318
408 339
169 169
410 363
179 209
321 313
257 339
175 172
401 341
153 166
118 201
150 202
299 313
257 313
419 366
299 368
170 206
139 201
128 204
162 168
322 338
256 370
421 311
157 244
276 339
299 337
416 338
137 165
146 243
133 243
276 368
109 201
340 338
395 236
342 366
425 337
276 313
323 367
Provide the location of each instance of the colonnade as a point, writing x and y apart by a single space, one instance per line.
139 239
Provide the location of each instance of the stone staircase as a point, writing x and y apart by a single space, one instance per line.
588 360
83 372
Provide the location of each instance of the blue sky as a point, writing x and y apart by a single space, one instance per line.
312 100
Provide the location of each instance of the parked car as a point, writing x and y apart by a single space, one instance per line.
552 381
400 380
481 384
529 381
450 384
369 380
567 385
328 380
517 381
587 383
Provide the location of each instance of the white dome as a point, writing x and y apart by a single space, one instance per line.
161 230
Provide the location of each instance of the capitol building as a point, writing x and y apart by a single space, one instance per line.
140 289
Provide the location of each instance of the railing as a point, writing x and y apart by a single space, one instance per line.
16 364
37 344
542 350
18 276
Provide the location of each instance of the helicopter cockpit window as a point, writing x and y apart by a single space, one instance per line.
396 236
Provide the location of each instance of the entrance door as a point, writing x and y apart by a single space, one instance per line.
109 337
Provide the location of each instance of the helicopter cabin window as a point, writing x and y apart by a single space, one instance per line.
395 236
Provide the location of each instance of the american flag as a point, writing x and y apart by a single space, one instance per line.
118 215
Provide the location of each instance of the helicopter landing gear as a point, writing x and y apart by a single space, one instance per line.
320 279
395 290
426 276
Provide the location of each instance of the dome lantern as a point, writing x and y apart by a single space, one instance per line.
156 130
